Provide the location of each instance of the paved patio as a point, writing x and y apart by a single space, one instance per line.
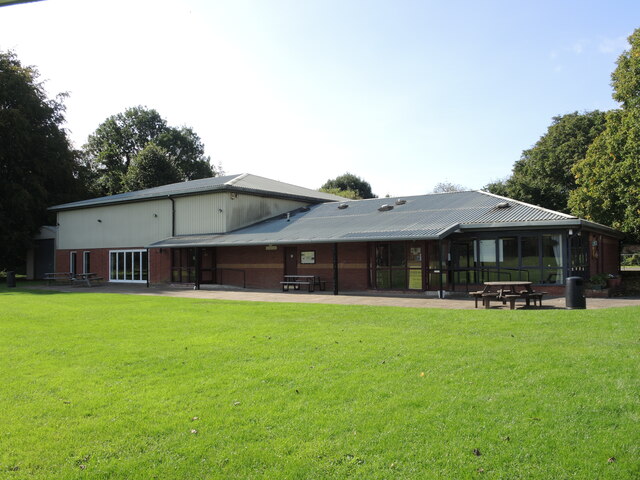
459 301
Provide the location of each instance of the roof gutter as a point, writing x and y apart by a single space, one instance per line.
568 223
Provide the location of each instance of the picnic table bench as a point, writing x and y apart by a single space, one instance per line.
87 279
507 291
58 277
296 281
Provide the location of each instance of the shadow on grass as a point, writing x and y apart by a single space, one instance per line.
28 289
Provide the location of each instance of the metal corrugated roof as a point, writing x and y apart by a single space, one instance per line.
421 217
244 182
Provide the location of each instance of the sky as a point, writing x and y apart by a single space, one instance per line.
404 94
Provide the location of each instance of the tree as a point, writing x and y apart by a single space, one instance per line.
38 168
350 194
448 187
543 175
349 182
152 167
608 179
110 150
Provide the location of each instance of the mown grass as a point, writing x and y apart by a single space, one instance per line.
108 386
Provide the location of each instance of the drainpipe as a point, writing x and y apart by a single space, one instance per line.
148 267
173 216
441 291
335 269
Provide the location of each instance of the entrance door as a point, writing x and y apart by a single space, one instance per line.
207 265
463 272
290 261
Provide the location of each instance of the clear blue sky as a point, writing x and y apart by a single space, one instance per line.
402 93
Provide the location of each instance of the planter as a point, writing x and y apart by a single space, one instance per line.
597 293
614 282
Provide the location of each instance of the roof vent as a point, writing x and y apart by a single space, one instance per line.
401 201
342 206
385 207
503 205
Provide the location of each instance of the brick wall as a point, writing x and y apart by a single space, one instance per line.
264 268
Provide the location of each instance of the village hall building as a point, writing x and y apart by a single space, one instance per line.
250 231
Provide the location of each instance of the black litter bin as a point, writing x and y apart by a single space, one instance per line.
575 293
11 279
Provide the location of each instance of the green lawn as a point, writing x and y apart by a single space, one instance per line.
116 386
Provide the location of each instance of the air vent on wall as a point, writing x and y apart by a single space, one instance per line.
385 207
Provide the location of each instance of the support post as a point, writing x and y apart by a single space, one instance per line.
197 272
335 269
440 291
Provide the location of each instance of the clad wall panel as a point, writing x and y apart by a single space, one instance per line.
246 210
124 226
200 214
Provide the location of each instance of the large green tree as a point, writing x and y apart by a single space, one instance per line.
37 164
347 184
543 175
111 149
608 179
150 168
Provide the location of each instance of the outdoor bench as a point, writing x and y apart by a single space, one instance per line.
296 285
58 277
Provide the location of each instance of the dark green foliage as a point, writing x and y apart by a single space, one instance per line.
37 165
349 182
543 175
150 168
608 180
110 150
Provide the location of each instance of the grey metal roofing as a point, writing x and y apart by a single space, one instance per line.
421 217
242 183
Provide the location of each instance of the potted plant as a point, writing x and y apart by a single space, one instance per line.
598 282
613 280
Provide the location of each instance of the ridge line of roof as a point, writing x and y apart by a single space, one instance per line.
236 179
538 207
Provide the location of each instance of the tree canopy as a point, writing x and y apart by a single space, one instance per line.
150 168
543 175
345 185
38 167
447 187
608 179
112 149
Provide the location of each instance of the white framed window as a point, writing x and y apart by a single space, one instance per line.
128 266
73 262
86 262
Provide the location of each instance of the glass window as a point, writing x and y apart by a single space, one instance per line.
128 266
551 251
530 251
382 255
508 252
487 252
397 255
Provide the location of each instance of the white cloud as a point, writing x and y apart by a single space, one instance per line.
612 45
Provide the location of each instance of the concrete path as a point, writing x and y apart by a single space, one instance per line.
357 298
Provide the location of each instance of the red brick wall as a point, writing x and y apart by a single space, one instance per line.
99 259
605 257
264 268
160 265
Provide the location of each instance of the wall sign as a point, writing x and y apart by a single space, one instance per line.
308 256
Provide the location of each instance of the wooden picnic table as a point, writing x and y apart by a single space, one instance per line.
58 277
87 278
508 291
295 281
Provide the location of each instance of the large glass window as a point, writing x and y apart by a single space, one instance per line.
128 266
183 265
398 266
